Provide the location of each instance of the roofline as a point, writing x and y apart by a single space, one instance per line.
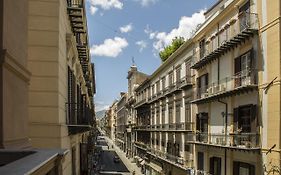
171 57
211 8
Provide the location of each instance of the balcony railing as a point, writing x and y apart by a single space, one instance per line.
241 140
79 118
232 34
241 80
186 81
177 160
141 144
181 126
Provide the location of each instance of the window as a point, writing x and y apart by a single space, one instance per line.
178 74
241 168
202 127
200 161
245 119
170 110
187 69
171 78
157 86
215 166
242 68
163 108
163 82
202 84
187 148
244 16
202 48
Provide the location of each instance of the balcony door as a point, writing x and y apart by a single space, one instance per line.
244 16
202 83
215 166
202 127
245 119
241 168
242 69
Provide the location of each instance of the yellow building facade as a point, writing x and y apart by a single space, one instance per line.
61 90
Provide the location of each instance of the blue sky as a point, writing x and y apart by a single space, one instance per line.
122 29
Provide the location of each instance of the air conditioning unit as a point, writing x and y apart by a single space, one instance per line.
216 88
222 87
210 90
204 95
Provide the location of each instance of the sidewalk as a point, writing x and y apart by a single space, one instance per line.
128 162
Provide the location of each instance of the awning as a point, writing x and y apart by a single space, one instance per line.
143 162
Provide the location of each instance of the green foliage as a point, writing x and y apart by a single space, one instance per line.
169 50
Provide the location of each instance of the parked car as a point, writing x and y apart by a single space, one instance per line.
116 159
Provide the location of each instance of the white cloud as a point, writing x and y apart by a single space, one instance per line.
93 10
184 29
100 105
142 44
145 3
110 47
105 5
126 28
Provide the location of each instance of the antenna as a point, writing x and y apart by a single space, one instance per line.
133 61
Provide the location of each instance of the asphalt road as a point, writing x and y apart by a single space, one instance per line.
109 165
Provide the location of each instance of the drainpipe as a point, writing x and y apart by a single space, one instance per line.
225 131
1 71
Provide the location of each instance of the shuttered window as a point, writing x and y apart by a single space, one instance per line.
242 168
215 166
245 118
200 161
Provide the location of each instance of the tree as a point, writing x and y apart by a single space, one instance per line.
169 50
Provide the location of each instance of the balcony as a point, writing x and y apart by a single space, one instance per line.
76 14
239 83
31 161
175 160
79 119
141 145
185 82
230 36
173 127
243 141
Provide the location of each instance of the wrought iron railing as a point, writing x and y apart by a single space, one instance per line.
241 140
241 79
245 21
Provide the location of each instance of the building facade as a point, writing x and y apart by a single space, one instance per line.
121 122
234 105
226 118
135 78
164 120
62 84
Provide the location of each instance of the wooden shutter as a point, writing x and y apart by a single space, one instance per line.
235 168
252 169
253 118
197 122
212 165
200 162
237 65
219 165
206 80
235 118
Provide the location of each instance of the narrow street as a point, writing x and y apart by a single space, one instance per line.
107 161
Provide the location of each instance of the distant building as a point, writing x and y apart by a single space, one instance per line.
164 120
121 122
